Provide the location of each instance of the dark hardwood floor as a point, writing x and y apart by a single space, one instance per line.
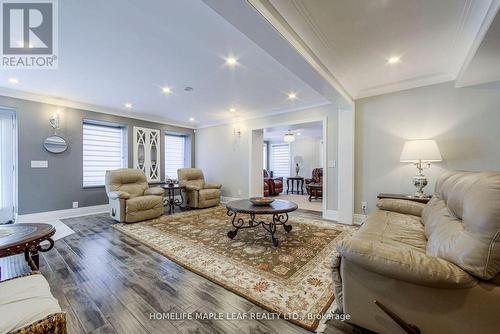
108 283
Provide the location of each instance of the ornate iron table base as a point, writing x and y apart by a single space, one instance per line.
240 223
31 253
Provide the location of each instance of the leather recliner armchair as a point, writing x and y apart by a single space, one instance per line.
317 179
130 198
435 266
200 194
274 186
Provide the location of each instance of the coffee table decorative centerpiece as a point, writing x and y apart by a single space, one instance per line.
279 210
261 201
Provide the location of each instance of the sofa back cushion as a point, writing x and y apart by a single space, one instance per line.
130 180
191 177
462 221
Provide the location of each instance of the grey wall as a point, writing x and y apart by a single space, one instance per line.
225 158
465 122
56 187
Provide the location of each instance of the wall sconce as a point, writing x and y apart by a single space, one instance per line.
237 131
55 122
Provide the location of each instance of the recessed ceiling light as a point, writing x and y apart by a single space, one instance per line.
292 96
231 61
13 80
166 90
298 133
393 60
232 110
191 119
128 105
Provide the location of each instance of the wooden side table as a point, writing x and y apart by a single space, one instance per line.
424 200
26 238
296 180
170 201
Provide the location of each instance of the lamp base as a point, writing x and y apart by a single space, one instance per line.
420 181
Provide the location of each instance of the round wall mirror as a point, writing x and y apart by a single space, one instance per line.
55 144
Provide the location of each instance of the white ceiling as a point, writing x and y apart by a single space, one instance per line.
301 131
116 51
355 38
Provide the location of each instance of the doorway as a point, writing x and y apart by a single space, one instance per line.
7 165
277 150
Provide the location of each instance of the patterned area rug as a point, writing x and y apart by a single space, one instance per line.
293 279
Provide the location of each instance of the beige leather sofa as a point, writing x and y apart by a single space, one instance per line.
130 198
436 266
199 193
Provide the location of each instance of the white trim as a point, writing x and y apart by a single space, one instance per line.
226 199
345 189
485 26
61 102
267 114
61 214
330 215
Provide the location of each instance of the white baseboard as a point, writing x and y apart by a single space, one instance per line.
330 215
61 214
225 199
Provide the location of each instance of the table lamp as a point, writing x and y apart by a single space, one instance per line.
421 153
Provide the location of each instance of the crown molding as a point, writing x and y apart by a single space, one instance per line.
268 114
491 13
61 102
422 81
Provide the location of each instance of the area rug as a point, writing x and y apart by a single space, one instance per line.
293 279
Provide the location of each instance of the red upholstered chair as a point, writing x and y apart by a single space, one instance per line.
317 178
274 185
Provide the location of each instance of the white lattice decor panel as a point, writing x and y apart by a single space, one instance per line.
147 152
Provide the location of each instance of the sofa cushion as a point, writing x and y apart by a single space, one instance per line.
144 203
462 221
25 300
207 194
394 228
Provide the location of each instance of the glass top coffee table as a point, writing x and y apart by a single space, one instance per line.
279 210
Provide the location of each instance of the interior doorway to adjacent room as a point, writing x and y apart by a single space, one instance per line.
7 165
293 161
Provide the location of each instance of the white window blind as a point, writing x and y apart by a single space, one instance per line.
103 149
174 155
264 156
280 160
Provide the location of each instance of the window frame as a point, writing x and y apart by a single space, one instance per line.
272 160
184 152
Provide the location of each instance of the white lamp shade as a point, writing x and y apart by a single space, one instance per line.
420 150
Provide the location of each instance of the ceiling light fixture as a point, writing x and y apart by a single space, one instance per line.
13 80
166 90
191 119
232 110
289 137
393 60
231 61
292 96
128 105
298 133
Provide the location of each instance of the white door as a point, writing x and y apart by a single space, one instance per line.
7 167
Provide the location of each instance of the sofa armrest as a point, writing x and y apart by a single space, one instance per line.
154 191
404 264
213 186
118 195
401 206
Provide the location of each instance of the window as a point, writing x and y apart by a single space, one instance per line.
103 149
280 160
264 160
174 154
